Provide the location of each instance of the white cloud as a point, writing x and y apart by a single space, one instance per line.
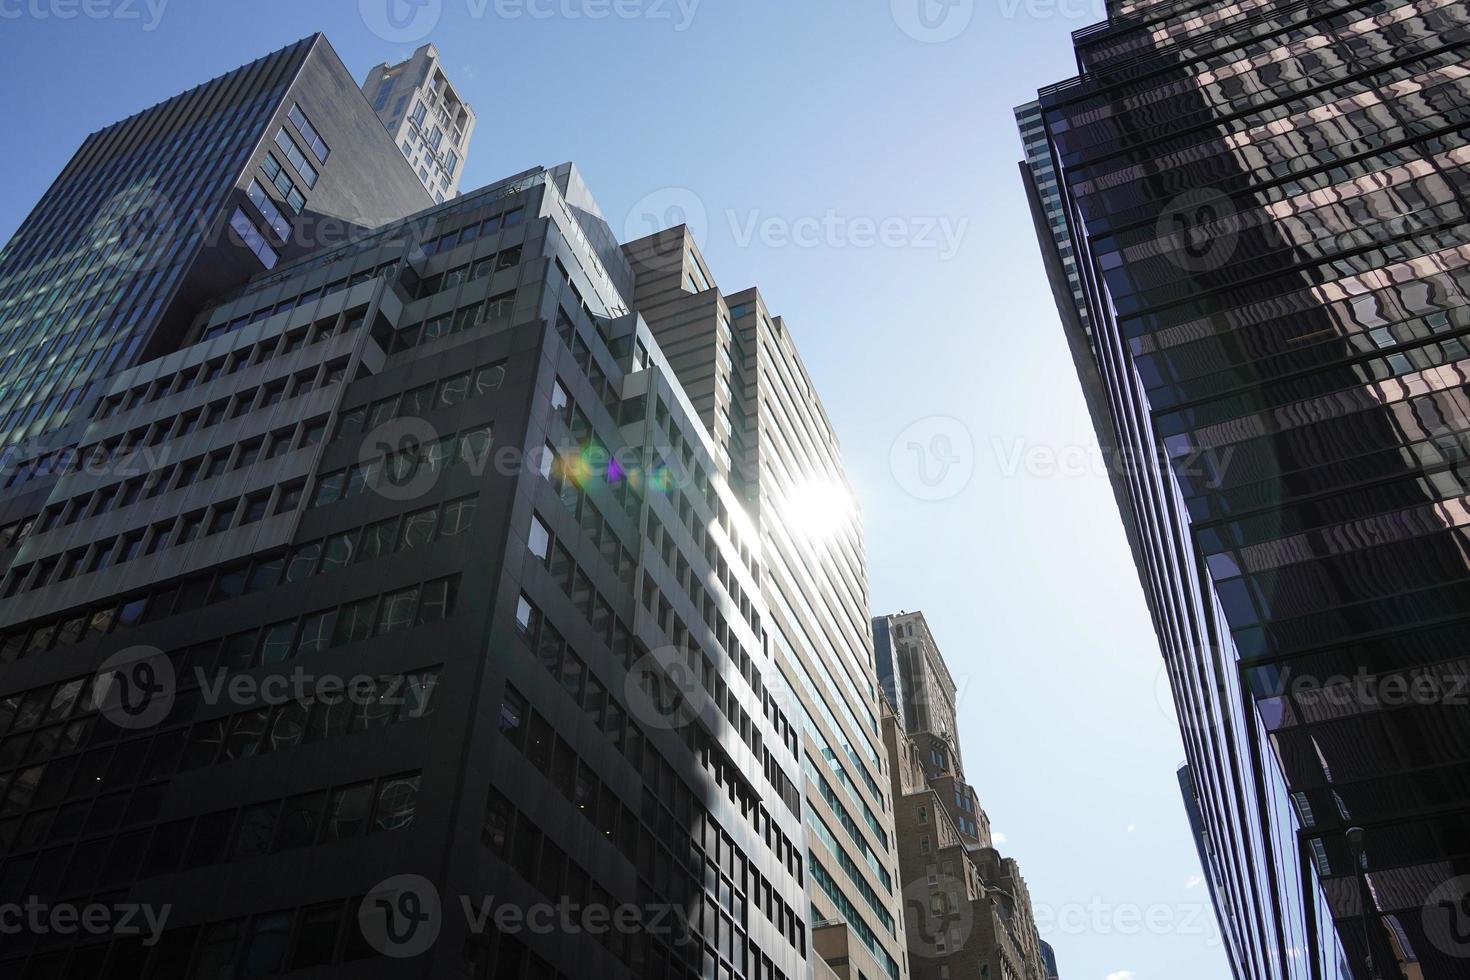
1131 828
1121 975
999 838
1194 881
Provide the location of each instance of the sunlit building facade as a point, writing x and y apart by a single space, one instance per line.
740 367
1267 206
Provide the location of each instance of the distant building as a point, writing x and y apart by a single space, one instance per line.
1049 957
426 116
967 909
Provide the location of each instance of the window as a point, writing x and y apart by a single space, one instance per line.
355 622
255 507
308 133
397 610
282 182
489 378
296 158
418 529
458 516
437 601
540 539
252 239
268 210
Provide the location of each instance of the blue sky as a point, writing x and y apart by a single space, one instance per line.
858 163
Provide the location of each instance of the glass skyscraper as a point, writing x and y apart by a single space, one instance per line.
1266 206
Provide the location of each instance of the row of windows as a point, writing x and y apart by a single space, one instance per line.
253 238
304 298
282 182
532 735
88 795
308 133
268 210
296 158
49 722
553 653
168 478
515 838
109 552
470 448
506 258
419 402
474 230
344 811
852 915
271 347
498 309
315 935
392 535
879 907
229 582
270 827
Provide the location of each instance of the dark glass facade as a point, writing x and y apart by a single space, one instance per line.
1267 201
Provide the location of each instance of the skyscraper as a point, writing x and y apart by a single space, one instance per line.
1267 207
773 441
425 115
968 911
157 211
398 615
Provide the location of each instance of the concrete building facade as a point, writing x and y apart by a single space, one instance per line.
426 116
968 911
774 442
